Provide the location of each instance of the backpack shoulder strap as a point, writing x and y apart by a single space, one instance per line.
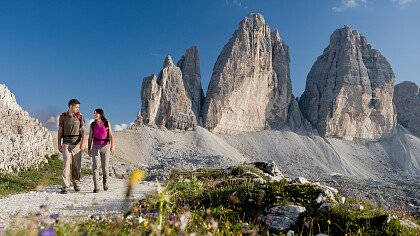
79 116
63 116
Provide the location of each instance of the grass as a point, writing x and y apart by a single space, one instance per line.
230 203
34 179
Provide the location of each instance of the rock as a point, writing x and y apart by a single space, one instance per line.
349 90
409 224
165 101
407 103
139 119
390 217
300 180
358 207
282 217
191 75
270 168
290 233
24 142
326 205
250 88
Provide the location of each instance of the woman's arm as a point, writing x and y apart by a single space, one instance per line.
111 136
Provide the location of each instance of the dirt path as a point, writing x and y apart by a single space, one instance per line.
72 205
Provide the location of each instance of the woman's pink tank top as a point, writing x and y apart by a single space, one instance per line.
99 132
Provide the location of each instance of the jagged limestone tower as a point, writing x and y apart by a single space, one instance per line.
174 98
250 88
349 90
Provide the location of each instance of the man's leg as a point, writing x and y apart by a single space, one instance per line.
77 164
65 176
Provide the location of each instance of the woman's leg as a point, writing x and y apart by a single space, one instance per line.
105 165
95 166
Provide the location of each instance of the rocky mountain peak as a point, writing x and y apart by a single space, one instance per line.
191 75
168 62
349 89
7 99
253 21
24 142
250 87
174 98
275 36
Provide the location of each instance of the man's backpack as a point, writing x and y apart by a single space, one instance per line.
92 128
79 117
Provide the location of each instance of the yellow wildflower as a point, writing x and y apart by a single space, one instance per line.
136 176
329 222
168 231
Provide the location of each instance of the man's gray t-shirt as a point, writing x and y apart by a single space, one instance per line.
71 127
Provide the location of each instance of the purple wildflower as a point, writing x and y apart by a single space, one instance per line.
171 217
55 216
155 214
307 224
48 232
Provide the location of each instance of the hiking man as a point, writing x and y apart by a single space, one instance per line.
72 130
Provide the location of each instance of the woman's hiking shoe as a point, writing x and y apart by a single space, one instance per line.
64 190
77 188
96 191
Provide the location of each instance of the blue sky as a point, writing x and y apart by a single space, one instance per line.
100 51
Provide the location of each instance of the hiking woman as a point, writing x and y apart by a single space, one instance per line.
100 144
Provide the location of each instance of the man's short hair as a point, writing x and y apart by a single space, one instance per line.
73 102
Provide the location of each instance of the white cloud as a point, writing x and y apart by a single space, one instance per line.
120 127
403 3
347 4
237 3
53 121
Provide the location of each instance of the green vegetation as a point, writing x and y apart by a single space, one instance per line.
231 202
34 179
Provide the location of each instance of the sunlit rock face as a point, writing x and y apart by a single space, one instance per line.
250 88
24 142
166 99
349 90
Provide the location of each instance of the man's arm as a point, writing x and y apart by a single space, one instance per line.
82 132
60 135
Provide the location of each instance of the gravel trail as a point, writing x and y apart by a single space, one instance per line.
73 205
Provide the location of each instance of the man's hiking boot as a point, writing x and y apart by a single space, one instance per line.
63 190
96 190
77 188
